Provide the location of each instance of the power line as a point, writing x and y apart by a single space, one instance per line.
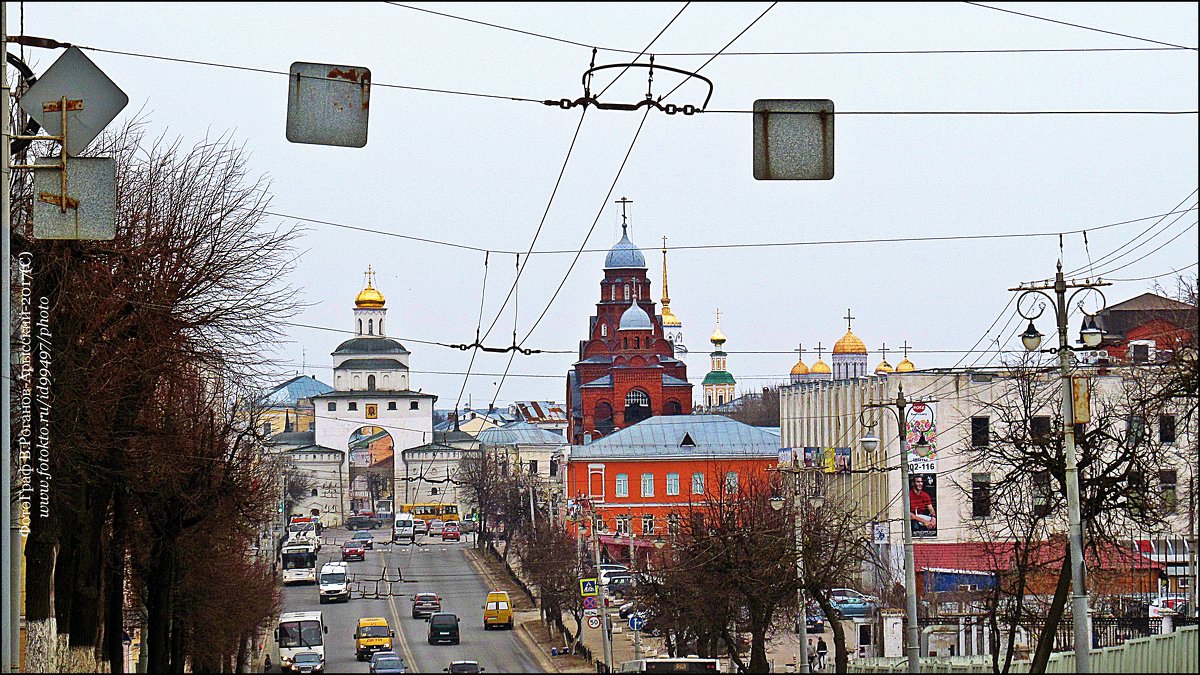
981 112
1112 256
648 46
1075 25
1156 276
727 45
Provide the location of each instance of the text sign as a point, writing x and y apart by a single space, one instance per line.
595 611
328 104
793 139
589 587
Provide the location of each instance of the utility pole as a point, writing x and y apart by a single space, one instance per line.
532 510
9 572
637 634
606 637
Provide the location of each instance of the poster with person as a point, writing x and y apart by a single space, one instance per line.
922 503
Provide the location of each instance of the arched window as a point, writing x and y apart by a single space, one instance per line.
720 399
626 343
371 382
614 292
381 325
603 330
672 408
637 343
637 406
360 327
604 417
370 326
626 291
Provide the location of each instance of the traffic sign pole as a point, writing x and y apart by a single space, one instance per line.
8 571
606 638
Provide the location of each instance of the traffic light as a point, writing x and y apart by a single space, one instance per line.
280 507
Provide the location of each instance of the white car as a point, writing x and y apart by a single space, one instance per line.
435 528
420 527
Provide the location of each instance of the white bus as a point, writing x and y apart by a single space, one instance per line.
666 664
405 529
300 632
299 562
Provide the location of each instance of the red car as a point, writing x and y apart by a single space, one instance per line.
451 532
353 550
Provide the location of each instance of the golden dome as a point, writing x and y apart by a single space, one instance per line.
849 344
668 319
884 367
905 366
819 368
369 298
717 338
800 368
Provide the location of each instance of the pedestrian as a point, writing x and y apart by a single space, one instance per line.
267 664
822 651
812 655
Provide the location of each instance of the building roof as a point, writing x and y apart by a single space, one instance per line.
624 254
1150 302
312 448
299 387
370 345
377 393
671 381
1117 320
849 344
293 438
712 436
602 382
635 318
372 364
519 433
719 377
540 411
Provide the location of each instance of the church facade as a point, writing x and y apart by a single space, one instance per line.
627 369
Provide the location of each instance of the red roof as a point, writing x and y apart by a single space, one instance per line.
989 556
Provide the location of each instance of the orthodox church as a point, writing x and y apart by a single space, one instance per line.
627 369
849 359
719 384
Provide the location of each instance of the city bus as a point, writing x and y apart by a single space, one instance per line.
299 562
665 664
300 632
432 511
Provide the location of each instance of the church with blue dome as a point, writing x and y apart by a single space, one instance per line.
627 369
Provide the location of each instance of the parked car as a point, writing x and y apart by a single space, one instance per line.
848 606
353 550
365 538
464 667
363 523
815 622
425 604
443 627
386 662
1168 604
435 527
308 662
854 594
451 532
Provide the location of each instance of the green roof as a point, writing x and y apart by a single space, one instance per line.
719 377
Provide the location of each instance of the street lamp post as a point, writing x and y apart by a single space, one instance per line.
869 443
1091 337
799 490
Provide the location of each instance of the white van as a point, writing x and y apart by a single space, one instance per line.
334 582
405 529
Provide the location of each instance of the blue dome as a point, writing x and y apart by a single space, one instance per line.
625 254
635 318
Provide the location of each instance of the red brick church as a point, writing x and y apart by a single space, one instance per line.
626 371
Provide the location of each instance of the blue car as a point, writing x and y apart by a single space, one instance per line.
845 606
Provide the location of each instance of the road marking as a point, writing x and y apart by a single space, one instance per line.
409 660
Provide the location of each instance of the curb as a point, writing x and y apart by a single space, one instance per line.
532 645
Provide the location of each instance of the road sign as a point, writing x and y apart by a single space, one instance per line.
91 211
793 139
74 76
328 104
591 602
593 622
594 611
636 622
588 587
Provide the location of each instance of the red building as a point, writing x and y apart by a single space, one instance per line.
626 370
1146 328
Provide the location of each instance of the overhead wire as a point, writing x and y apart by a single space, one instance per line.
1076 25
720 51
1175 210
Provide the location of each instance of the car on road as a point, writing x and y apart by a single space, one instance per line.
815 622
308 662
607 571
497 610
367 539
386 662
443 627
363 523
854 594
334 582
353 550
425 604
846 606
420 527
464 667
372 635
451 532
435 527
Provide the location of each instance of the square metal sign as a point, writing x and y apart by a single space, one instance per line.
328 104
91 197
793 139
76 78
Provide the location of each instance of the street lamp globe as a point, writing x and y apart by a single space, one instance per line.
1090 334
777 503
1031 338
922 448
869 442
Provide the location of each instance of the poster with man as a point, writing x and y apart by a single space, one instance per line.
922 503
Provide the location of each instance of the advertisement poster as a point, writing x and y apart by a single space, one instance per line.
814 458
921 422
922 501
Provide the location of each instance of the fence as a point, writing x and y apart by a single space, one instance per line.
1177 652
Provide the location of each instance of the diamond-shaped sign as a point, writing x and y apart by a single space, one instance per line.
75 77
328 104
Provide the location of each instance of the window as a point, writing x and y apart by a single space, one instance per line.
1135 430
981 495
1137 491
1041 493
370 326
554 468
1166 428
731 482
637 406
647 524
622 485
1039 429
637 342
414 405
647 485
1167 483
1139 352
533 467
697 483
598 522
371 382
980 432
332 406
603 330
314 492
626 291
672 484
391 405
622 524
266 428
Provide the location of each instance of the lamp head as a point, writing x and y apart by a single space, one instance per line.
869 442
777 503
922 448
1031 338
1090 334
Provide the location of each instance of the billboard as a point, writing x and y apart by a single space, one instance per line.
922 503
920 423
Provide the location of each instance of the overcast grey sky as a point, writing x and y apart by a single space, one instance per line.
480 171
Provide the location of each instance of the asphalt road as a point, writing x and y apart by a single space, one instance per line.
427 566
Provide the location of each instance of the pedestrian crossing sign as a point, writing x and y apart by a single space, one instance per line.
589 587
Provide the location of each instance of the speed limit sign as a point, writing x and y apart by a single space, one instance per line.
593 622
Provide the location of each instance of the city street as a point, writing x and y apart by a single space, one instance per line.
427 566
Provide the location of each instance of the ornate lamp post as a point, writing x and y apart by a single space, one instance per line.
1091 336
815 500
921 448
